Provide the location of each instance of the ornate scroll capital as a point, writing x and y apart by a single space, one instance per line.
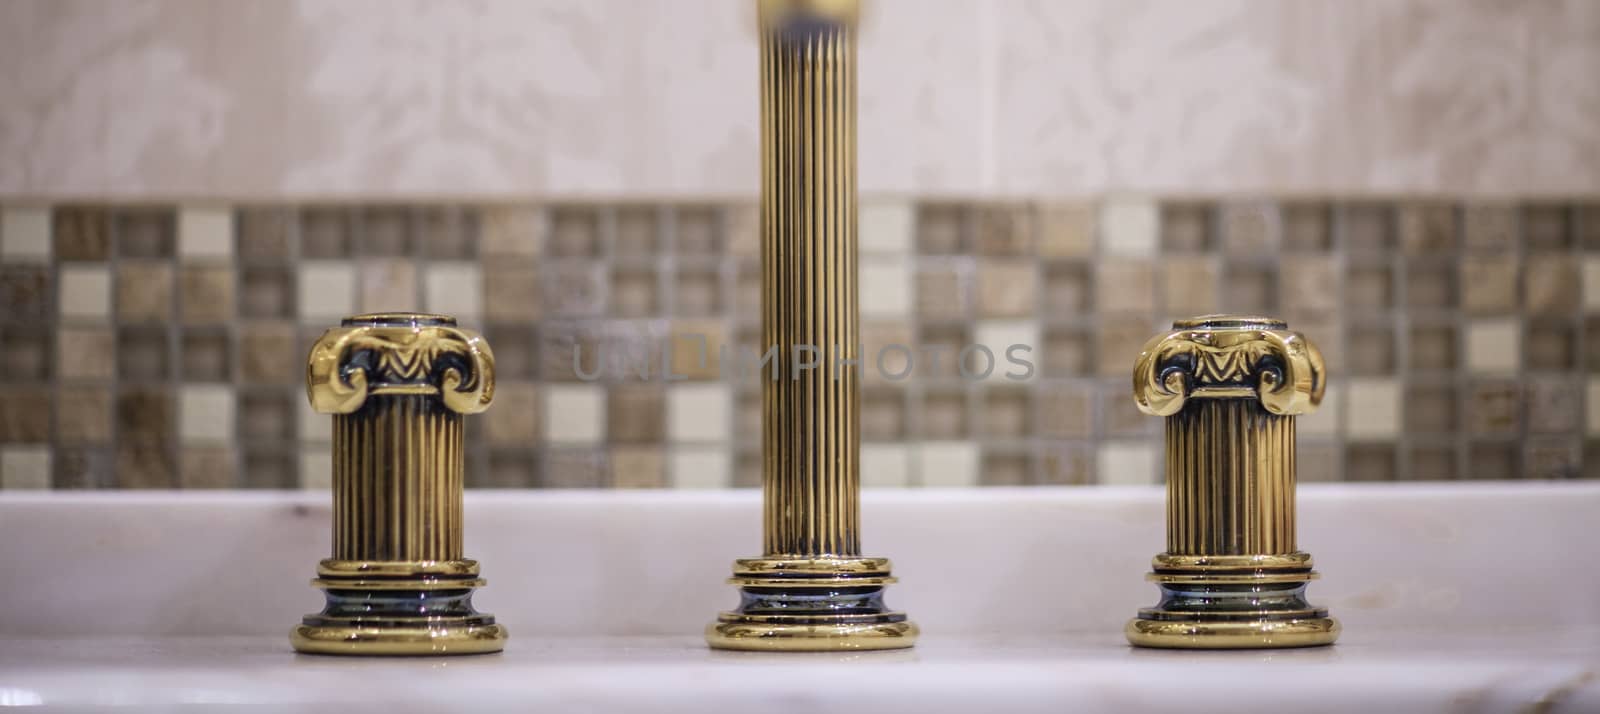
1229 356
400 353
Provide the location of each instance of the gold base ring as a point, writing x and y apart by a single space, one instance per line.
398 641
734 632
1266 633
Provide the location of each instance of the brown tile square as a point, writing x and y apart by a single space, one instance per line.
1067 352
567 349
268 353
25 354
1546 227
1489 227
1187 228
1007 288
207 355
1591 460
1431 287
1493 460
1433 348
941 230
698 292
25 414
1427 229
1189 286
1551 346
267 416
1372 350
636 414
1546 458
1433 462
747 469
1067 465
206 295
1327 335
511 292
573 289
509 468
1553 405
145 465
747 417
1068 290
943 415
1306 227
1249 289
889 351
1125 287
1493 408
574 233
1431 409
88 353
385 232
514 420
1006 229
146 232
942 292
1250 229
1066 411
271 467
326 233
747 292
1587 225
639 231
1370 462
1118 414
1591 344
1552 285
696 348
1367 228
939 351
1489 284
1007 413
883 414
1118 345
1066 230
266 292
144 292
635 292
574 468
638 467
81 233
387 285
207 467
263 234
1005 467
1319 462
143 353
1309 285
145 415
699 232
25 294
83 468
1368 287
516 350
446 232
511 231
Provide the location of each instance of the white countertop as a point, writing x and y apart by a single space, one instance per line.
1389 671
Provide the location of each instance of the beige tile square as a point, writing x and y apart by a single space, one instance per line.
1126 464
1005 230
1553 285
942 415
327 291
1591 283
888 352
885 465
1129 227
316 469
574 414
88 353
947 464
1592 399
744 230
1427 229
887 227
205 233
1494 347
1325 419
942 292
454 289
1250 229
1189 286
1067 230
698 413
144 291
1309 285
24 468
885 288
511 231
205 414
701 467
1125 287
697 346
206 294
1489 284
1007 288
1118 346
387 285
514 420
1015 346
883 415
24 234
1372 408
510 292
85 292
1066 411
638 467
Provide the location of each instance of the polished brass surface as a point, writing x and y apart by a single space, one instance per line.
811 590
1232 577
398 386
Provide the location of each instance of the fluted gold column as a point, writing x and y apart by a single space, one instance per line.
398 387
811 590
1230 388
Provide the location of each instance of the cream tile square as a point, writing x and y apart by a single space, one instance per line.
885 466
1015 345
1325 420
946 464
1125 464
315 428
24 467
574 414
1592 406
885 287
886 228
1372 408
86 292
1494 346
454 289
698 413
205 414
701 467
1591 283
24 234
327 291
205 233
1130 227
316 469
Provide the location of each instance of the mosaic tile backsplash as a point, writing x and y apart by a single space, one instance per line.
163 346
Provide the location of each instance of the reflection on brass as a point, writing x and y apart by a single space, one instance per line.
1230 387
398 386
811 590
